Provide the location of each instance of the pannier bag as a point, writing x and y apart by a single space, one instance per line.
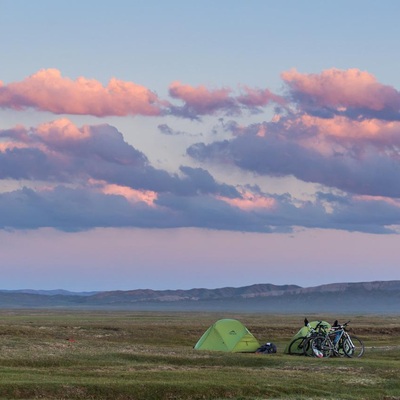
267 348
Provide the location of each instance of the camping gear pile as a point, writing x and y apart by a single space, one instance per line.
315 338
267 348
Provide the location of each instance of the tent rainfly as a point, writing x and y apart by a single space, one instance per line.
304 330
228 335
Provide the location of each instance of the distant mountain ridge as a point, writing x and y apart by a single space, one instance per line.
49 292
377 296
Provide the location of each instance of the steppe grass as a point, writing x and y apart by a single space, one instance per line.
149 355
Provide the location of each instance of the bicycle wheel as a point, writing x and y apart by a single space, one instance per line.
353 347
321 347
307 349
296 346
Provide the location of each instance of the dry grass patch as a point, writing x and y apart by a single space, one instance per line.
147 355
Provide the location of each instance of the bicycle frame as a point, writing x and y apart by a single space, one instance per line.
339 336
337 342
302 344
320 343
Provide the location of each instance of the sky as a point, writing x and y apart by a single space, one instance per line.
183 144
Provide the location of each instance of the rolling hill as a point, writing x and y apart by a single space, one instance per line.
363 297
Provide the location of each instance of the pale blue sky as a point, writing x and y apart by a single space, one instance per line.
217 42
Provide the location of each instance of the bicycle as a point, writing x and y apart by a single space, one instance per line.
301 345
337 342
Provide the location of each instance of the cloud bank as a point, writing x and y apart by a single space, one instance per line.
338 129
353 93
47 90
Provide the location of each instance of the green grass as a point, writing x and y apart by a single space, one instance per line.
149 355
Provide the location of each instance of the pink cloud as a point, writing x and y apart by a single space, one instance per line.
49 137
388 200
251 201
132 195
4 146
258 97
47 90
61 130
201 99
330 136
344 129
343 88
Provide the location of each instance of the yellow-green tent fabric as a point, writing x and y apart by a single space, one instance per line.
304 331
228 335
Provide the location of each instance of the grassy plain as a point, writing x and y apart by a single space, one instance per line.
149 355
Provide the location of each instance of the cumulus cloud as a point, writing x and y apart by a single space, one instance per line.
354 93
296 150
200 100
87 177
81 208
47 90
72 209
256 97
338 129
61 151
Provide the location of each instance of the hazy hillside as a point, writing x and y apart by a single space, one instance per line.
365 297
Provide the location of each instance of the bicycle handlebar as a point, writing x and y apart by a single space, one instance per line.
341 326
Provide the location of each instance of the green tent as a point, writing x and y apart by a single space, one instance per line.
304 332
228 335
